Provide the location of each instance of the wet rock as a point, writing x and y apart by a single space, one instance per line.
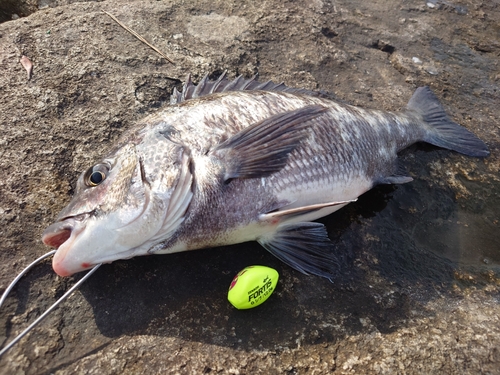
415 294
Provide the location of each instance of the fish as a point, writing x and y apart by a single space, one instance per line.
231 161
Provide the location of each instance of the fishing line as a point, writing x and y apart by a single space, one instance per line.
49 310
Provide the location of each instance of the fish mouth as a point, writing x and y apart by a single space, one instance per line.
61 235
59 232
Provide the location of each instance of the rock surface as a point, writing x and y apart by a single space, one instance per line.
420 290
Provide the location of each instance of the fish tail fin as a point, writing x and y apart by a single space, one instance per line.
441 131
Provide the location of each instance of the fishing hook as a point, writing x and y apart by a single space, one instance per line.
49 310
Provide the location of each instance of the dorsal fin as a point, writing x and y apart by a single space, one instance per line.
222 84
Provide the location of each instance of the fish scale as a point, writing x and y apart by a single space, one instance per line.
235 161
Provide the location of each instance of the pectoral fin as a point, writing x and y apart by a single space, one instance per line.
263 148
305 247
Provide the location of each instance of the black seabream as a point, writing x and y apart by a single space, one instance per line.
235 161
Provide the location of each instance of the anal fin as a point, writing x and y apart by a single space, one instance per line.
395 179
398 176
304 247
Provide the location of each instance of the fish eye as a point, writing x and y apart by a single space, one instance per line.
96 175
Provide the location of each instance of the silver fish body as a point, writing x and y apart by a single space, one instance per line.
236 161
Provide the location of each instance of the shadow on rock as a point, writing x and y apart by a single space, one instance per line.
184 295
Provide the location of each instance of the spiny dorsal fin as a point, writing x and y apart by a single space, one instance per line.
222 84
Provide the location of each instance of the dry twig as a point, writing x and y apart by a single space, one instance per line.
139 37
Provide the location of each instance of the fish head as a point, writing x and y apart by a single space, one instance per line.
114 213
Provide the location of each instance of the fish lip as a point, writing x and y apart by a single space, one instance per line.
59 232
77 217
71 227
61 235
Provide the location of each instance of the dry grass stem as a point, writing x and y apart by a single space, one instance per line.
140 37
